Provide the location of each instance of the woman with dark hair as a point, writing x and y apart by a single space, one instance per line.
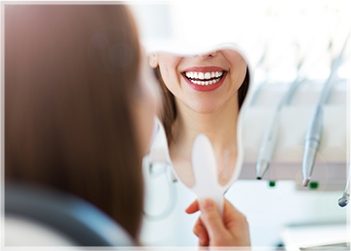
79 108
202 94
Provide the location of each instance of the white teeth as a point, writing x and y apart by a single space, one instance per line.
199 82
201 75
204 78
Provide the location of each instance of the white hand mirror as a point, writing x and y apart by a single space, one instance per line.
204 166
203 96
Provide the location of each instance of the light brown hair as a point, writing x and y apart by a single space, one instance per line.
70 76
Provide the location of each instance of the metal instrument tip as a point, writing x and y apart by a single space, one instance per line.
306 182
344 200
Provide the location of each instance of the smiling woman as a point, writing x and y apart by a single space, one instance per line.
202 93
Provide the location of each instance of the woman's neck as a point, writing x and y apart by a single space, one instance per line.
219 126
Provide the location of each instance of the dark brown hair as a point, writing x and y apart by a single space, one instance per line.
70 75
169 109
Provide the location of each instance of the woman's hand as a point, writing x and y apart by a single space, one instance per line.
213 229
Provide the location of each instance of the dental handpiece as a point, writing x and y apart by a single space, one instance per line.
314 133
267 148
312 141
344 200
269 142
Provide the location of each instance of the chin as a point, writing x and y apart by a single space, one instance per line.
204 107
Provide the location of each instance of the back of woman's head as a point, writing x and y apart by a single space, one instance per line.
70 76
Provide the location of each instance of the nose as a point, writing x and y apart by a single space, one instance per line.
211 54
208 55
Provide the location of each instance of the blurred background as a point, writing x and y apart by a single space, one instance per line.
277 37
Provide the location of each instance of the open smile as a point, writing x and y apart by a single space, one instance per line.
205 78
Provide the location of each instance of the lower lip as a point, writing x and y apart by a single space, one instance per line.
206 88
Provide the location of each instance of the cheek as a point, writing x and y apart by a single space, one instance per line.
169 77
238 65
238 75
169 73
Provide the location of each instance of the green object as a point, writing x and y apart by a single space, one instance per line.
314 185
271 183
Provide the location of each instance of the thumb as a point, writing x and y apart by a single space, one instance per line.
212 219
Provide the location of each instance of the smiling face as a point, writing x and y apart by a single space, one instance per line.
204 83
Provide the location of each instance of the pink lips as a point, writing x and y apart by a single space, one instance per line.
205 69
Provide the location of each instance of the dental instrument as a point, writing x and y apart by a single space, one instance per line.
270 137
314 133
345 198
